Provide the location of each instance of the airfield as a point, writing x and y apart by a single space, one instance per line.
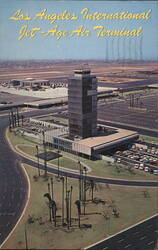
139 110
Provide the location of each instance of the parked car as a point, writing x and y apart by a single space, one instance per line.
146 169
155 171
141 166
136 166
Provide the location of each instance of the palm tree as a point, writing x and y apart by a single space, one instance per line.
78 204
52 205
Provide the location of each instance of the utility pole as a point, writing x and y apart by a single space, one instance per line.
58 157
50 218
85 186
26 241
79 164
92 188
38 160
67 203
22 120
78 204
70 203
52 188
45 154
12 118
68 208
17 115
82 185
63 196
10 123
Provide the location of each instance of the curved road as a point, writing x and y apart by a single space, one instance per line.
13 186
13 182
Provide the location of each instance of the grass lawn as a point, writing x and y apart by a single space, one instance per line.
114 170
131 203
149 139
99 167
63 161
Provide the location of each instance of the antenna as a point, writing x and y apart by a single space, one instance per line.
107 50
141 51
112 49
130 54
118 48
124 49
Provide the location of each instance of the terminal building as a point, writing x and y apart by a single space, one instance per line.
29 82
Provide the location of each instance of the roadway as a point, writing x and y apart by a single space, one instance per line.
143 236
13 182
13 186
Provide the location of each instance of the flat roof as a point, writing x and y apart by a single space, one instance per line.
47 101
31 80
102 140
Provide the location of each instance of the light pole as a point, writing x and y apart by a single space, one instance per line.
58 157
70 202
50 218
79 180
68 208
85 185
26 240
17 114
38 160
10 123
45 154
63 200
52 189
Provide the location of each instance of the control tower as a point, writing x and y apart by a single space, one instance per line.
82 104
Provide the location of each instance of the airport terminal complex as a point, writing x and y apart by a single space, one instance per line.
82 135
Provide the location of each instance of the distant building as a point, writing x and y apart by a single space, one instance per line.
82 104
29 82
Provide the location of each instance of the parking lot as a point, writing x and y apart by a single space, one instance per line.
139 156
143 113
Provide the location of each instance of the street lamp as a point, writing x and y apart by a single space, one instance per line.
62 178
70 203
52 189
80 171
85 184
58 161
26 240
38 160
45 153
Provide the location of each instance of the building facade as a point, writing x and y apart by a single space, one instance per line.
82 104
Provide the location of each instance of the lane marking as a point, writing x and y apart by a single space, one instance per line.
150 243
136 233
120 240
128 246
142 238
149 226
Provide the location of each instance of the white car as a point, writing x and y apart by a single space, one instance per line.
136 166
146 169
141 166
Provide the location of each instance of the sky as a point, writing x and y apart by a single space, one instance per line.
16 45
